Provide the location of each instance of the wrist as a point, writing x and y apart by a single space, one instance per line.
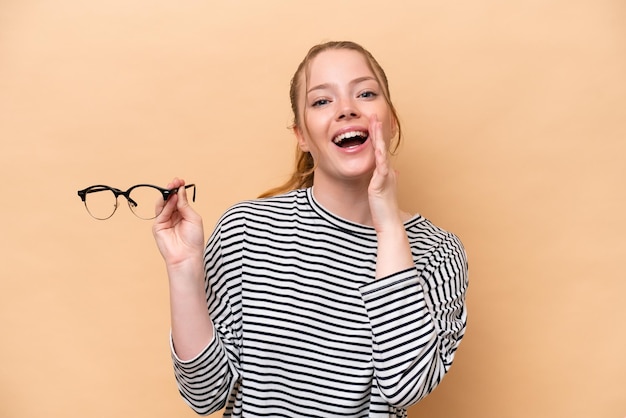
190 269
394 250
390 228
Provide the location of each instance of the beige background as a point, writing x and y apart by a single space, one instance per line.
514 114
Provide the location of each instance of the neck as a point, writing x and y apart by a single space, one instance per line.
348 200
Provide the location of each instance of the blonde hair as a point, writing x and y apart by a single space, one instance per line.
302 176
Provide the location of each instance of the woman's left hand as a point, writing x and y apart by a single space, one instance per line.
394 251
382 189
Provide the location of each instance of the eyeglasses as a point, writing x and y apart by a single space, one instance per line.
101 201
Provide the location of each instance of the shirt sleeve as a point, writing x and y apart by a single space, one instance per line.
418 318
206 382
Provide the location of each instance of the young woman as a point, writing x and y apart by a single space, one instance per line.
322 298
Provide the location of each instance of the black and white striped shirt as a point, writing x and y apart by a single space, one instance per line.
302 328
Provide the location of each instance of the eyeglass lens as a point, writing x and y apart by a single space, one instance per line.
142 201
102 203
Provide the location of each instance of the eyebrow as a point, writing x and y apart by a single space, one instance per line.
355 81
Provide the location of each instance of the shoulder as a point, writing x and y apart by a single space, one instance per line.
428 238
265 208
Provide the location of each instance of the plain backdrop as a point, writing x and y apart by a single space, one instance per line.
514 116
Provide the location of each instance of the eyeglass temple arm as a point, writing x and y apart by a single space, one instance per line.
174 191
193 198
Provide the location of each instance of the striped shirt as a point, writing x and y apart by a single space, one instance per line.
303 329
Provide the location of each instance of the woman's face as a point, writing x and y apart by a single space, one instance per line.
336 104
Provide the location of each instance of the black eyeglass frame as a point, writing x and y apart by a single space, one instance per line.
167 193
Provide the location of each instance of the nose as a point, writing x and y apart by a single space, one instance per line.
347 110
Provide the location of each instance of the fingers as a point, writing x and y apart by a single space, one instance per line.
182 196
166 209
380 147
176 183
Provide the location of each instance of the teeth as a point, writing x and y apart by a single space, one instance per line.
345 135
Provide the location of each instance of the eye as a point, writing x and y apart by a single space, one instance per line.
368 94
320 102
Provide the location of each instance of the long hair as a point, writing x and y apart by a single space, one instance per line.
302 176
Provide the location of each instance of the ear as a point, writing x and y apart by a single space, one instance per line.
394 126
302 142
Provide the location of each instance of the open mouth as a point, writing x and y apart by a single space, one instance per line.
350 139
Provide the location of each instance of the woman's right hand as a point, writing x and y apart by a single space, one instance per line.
178 229
179 235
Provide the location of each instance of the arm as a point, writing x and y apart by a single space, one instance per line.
205 355
179 235
418 319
